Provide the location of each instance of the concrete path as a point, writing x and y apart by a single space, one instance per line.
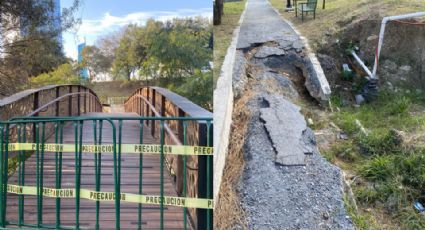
261 24
286 183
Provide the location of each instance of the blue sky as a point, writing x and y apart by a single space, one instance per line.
100 17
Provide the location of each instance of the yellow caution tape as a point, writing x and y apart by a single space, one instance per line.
110 196
109 148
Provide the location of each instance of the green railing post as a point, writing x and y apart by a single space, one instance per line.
6 174
78 147
19 128
184 174
2 169
209 176
139 222
21 176
161 168
116 189
37 172
98 158
95 169
58 169
204 217
43 138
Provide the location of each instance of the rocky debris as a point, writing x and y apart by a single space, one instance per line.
266 51
286 127
298 45
359 99
343 136
372 38
277 83
389 66
285 44
405 69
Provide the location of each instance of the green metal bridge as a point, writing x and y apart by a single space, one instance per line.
65 163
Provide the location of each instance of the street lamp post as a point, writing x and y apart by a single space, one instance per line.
288 6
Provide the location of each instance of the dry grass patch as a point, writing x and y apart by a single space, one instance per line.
223 33
341 12
228 214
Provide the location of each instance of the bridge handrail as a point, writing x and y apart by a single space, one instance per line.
189 108
53 100
34 103
166 127
156 101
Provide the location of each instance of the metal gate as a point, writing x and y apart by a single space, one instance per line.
61 197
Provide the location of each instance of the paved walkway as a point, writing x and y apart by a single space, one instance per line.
261 24
304 192
173 216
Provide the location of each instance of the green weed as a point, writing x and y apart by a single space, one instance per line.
379 168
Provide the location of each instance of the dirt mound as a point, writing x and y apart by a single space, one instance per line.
402 56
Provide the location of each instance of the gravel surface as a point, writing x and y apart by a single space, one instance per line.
289 197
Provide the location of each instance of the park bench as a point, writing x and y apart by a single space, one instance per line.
305 7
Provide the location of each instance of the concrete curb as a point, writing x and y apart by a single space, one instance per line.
223 110
325 89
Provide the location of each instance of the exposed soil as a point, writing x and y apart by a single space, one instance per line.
401 59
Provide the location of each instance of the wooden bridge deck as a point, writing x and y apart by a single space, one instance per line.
173 216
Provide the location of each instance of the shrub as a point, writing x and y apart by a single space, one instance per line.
379 142
64 74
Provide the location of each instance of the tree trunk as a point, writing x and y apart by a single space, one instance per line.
218 11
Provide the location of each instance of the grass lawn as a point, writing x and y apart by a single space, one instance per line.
341 12
223 33
387 158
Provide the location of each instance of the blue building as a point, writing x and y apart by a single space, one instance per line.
84 73
57 23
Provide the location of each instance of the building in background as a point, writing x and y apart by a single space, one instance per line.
84 73
57 22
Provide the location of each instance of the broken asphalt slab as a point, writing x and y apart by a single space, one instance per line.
286 127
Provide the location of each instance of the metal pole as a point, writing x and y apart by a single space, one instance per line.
289 6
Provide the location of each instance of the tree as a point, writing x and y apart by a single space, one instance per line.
29 45
218 11
178 47
131 52
198 88
96 61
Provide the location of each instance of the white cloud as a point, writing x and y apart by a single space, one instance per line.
92 29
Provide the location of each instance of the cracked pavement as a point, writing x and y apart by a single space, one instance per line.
286 183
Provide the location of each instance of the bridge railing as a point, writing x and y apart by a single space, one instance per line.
49 101
160 102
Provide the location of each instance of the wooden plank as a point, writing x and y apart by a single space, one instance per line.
173 216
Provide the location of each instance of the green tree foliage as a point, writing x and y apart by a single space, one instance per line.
31 46
130 54
175 54
96 61
64 74
198 88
